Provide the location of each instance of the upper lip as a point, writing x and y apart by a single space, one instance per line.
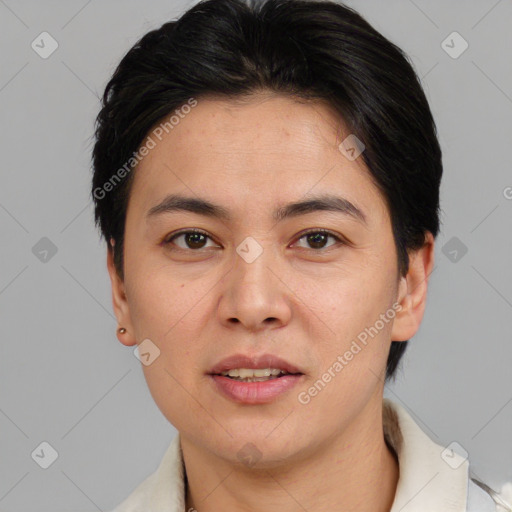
261 361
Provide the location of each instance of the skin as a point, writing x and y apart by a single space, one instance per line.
302 302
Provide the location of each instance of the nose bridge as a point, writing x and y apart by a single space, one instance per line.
252 294
251 275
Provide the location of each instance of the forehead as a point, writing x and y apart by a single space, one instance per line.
264 147
258 121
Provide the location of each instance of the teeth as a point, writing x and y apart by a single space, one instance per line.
253 379
250 373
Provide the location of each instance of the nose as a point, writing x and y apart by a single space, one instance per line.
254 295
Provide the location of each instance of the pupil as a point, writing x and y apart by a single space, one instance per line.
315 239
193 238
196 240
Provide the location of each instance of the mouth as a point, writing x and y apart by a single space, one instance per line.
255 375
262 367
254 380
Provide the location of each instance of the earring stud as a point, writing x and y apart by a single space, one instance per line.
121 330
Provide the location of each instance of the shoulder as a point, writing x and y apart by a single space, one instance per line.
479 498
423 460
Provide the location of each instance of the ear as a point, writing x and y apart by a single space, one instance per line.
412 291
119 301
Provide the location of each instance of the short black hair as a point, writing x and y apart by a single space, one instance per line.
313 49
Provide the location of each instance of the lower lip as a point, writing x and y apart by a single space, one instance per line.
255 392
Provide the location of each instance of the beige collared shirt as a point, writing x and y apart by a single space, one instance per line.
432 478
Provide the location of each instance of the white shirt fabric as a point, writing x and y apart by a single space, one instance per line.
427 483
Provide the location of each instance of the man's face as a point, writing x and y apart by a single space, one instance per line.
304 298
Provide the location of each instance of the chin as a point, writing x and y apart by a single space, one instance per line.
259 449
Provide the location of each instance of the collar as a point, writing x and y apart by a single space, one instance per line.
426 482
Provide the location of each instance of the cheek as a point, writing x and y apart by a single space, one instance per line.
167 311
344 318
162 303
349 300
352 352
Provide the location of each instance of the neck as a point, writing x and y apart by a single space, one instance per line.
356 471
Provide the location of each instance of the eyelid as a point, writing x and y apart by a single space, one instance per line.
169 238
339 239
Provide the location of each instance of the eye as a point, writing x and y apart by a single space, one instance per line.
317 238
193 239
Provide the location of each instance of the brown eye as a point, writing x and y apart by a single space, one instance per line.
318 239
193 239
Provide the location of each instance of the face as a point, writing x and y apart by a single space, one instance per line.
303 286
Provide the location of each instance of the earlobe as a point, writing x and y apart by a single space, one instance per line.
412 294
125 334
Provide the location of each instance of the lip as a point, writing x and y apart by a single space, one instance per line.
254 392
253 362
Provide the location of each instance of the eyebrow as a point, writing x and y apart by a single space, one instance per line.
326 202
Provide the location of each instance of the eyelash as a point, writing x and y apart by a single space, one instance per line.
339 240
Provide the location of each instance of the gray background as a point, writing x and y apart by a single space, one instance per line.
66 380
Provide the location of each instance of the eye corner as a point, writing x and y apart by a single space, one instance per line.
340 240
168 240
